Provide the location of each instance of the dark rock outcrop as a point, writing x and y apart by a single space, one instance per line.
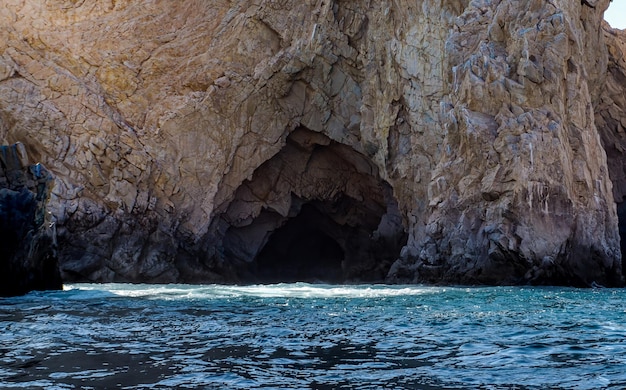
28 258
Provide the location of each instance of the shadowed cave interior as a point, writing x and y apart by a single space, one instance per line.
302 250
317 211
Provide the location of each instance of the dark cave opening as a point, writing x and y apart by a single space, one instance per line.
317 211
301 251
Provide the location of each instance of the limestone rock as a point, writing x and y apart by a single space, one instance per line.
28 256
439 141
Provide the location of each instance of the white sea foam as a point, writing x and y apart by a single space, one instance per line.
295 290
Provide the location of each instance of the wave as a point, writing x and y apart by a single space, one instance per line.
291 290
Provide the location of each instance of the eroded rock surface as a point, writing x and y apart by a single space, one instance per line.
610 114
27 238
196 141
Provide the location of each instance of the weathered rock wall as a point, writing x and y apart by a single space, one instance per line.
472 122
28 258
610 114
522 190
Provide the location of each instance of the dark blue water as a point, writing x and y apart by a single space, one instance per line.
313 337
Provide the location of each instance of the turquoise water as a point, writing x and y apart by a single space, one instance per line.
302 336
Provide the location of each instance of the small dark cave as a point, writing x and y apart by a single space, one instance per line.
315 212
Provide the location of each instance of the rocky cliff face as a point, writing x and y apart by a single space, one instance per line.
610 117
28 256
440 141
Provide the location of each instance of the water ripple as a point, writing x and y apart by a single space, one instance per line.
313 336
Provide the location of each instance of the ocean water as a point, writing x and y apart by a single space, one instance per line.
302 336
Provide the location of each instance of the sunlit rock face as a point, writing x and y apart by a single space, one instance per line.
445 141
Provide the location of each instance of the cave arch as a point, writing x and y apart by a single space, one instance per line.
318 211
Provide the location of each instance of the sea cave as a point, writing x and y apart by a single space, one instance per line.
316 212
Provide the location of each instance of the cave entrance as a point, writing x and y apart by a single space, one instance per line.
317 211
301 251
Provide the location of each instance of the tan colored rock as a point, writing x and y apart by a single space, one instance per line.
469 127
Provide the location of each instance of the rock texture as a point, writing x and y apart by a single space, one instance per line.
444 141
28 256
610 116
